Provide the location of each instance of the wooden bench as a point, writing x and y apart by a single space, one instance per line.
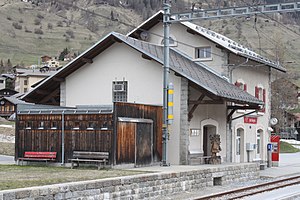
92 157
38 156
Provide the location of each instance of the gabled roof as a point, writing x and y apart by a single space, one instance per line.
217 38
179 63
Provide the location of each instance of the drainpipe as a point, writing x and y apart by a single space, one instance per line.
63 138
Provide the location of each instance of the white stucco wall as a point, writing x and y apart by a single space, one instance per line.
253 76
92 85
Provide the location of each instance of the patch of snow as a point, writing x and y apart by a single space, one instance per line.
290 141
6 126
8 139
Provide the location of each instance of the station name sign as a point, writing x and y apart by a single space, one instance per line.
250 120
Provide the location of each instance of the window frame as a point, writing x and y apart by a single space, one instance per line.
120 96
203 50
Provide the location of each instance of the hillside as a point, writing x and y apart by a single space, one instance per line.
46 27
29 31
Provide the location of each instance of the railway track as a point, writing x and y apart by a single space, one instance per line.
252 190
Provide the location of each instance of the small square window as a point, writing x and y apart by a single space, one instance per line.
28 125
54 125
203 53
76 125
194 132
120 91
41 125
91 126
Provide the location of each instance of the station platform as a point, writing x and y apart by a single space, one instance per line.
289 165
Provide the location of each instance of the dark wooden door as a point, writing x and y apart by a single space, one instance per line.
134 143
126 142
144 143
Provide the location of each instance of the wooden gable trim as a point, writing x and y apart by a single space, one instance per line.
58 79
146 57
87 60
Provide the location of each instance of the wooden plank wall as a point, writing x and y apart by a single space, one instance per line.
122 109
76 137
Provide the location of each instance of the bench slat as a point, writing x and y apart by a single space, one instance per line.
87 160
85 156
30 154
38 156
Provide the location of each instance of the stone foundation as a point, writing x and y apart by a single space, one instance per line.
147 186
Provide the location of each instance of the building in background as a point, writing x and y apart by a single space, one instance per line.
25 78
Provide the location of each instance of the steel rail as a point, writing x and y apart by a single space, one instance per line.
249 188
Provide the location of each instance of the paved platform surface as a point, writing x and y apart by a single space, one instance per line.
7 160
289 164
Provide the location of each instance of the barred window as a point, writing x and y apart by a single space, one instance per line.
119 91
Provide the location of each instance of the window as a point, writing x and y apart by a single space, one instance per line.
25 90
28 125
91 126
238 142
194 132
119 91
260 93
258 142
76 125
25 82
53 125
41 125
241 84
203 52
1 81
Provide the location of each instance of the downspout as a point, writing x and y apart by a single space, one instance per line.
63 138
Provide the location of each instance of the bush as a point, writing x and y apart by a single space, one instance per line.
59 24
40 16
38 31
50 26
27 31
70 33
16 25
9 18
37 21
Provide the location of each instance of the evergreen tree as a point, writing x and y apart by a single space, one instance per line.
63 54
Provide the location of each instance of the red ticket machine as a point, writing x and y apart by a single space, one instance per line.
275 140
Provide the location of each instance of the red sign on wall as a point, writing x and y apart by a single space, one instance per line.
250 120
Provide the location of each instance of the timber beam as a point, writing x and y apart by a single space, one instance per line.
50 96
190 115
206 102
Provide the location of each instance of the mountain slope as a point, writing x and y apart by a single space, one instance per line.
29 31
